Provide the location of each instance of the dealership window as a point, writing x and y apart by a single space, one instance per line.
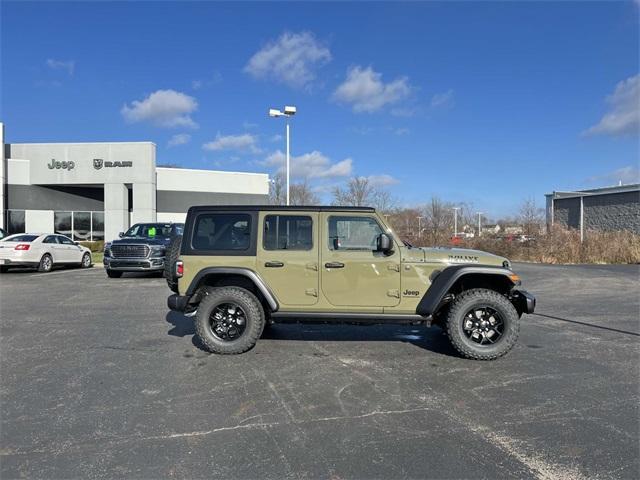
287 232
15 221
222 231
81 226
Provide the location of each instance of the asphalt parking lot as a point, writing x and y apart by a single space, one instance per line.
99 380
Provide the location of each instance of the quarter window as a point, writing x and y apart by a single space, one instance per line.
353 233
288 232
222 231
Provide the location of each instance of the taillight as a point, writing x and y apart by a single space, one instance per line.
179 268
22 246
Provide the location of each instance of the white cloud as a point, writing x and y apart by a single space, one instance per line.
179 139
443 100
276 138
243 143
382 180
366 92
626 175
68 65
215 78
196 84
623 117
292 59
163 108
310 165
401 131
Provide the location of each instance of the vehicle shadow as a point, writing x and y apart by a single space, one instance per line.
431 339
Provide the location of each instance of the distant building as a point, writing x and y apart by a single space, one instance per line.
513 230
606 209
490 229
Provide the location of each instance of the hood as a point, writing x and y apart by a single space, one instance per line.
141 241
451 256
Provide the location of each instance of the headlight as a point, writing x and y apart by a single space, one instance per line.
157 251
107 249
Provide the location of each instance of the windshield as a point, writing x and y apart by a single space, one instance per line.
150 230
20 238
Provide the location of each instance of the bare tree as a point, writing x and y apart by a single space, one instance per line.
361 192
277 190
530 216
302 194
438 222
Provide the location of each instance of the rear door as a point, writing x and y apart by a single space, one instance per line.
51 245
288 256
353 273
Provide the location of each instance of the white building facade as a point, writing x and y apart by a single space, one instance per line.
93 191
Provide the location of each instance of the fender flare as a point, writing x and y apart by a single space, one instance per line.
245 272
443 282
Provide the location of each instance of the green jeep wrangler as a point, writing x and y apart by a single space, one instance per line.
238 269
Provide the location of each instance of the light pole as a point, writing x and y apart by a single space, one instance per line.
288 112
455 221
419 227
479 224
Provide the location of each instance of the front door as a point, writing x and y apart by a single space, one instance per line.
72 253
353 273
288 256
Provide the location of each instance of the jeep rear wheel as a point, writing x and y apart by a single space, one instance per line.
482 324
173 252
229 320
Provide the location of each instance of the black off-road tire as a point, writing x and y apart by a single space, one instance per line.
113 273
254 315
46 263
477 298
173 252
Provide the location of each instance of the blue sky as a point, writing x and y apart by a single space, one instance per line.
484 102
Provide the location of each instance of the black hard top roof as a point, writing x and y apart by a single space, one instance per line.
273 208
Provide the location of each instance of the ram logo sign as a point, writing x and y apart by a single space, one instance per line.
98 163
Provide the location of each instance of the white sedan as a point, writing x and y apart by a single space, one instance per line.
42 251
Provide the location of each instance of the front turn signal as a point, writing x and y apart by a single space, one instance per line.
515 278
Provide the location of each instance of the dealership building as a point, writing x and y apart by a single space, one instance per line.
93 191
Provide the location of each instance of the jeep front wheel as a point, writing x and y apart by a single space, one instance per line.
229 320
482 324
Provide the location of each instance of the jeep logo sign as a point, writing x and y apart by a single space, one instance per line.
98 163
61 165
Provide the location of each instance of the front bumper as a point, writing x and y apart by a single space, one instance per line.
134 264
523 301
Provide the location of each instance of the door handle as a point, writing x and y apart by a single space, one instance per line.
274 264
334 265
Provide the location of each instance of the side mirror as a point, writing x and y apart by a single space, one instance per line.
121 234
77 244
336 243
384 243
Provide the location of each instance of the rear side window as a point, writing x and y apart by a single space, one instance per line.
288 232
20 238
222 231
50 239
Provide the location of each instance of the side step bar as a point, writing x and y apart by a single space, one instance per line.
348 317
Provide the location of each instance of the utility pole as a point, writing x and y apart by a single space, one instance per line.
419 227
479 224
455 221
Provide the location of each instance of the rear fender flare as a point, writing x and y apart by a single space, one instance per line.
443 282
245 272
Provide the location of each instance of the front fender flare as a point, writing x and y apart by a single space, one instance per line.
443 282
245 272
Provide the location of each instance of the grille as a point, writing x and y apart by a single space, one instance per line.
129 251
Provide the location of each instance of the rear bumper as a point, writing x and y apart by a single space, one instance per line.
177 302
134 264
10 262
523 301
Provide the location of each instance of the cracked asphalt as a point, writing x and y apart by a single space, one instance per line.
99 380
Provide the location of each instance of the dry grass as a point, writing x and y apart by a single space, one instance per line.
563 246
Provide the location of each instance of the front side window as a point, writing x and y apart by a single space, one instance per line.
65 240
353 233
288 232
222 231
